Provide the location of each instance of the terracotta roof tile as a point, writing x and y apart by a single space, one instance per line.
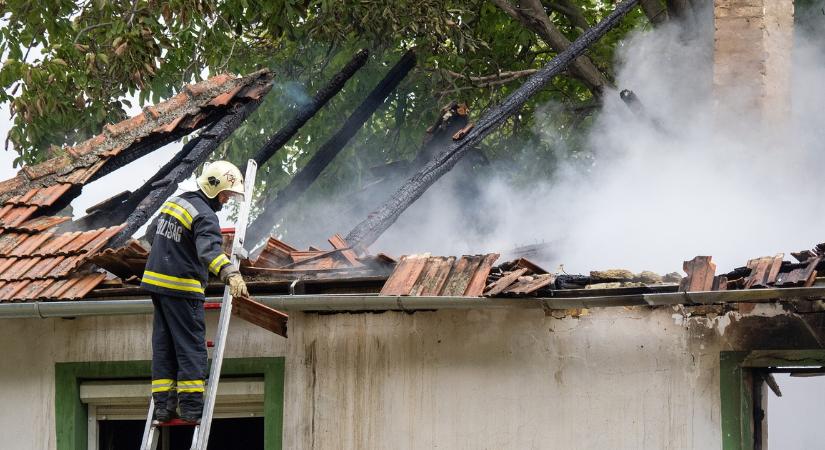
16 215
434 275
9 241
173 104
18 268
226 97
31 290
13 184
88 146
49 167
30 245
125 126
32 259
9 290
216 82
42 223
82 175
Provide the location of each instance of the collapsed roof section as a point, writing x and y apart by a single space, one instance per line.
39 260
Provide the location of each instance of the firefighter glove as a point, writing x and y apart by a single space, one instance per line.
237 287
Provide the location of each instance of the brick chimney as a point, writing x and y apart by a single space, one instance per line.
752 55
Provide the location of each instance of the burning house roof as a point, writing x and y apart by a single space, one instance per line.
42 257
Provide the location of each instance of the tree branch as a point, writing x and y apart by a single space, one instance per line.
532 15
89 28
571 11
655 11
506 76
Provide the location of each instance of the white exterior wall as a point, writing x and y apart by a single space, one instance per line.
501 379
618 378
31 347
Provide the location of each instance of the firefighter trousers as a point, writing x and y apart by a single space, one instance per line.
178 354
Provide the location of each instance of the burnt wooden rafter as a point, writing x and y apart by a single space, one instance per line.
260 228
366 232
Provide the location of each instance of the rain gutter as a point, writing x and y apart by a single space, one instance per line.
349 303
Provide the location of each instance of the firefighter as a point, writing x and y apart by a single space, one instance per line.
186 246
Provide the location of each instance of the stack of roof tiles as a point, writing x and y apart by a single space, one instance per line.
37 262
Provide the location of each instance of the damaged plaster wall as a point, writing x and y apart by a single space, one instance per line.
31 347
618 378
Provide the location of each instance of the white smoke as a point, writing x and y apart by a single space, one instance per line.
696 179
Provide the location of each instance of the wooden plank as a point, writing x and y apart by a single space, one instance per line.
528 285
261 315
478 281
459 278
504 282
405 275
434 277
339 243
298 256
700 272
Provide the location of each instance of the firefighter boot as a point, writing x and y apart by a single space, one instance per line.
191 406
165 405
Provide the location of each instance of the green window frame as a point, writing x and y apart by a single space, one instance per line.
71 415
735 384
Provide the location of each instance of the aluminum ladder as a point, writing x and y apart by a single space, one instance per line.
200 436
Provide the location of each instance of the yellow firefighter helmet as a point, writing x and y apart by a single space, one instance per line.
220 176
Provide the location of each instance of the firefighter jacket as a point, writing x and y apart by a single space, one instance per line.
186 247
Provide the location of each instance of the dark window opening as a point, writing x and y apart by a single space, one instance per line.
245 433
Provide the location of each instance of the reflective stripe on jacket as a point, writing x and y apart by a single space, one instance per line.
186 246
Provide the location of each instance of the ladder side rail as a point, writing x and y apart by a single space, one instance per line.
148 429
200 438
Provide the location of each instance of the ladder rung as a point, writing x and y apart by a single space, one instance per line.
175 423
212 305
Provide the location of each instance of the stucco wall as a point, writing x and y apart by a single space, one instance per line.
31 347
618 378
